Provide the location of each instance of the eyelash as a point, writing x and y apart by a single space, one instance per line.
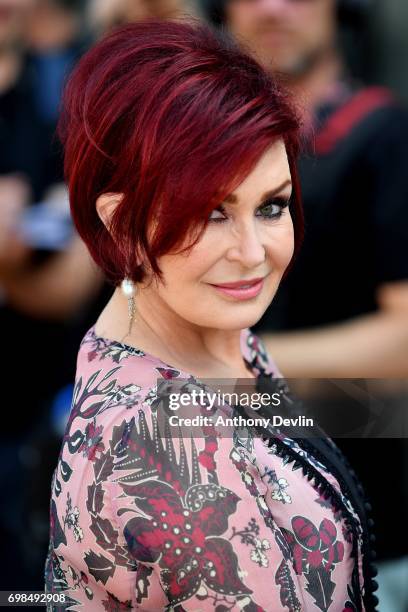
281 202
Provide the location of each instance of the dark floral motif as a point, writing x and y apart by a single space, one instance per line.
152 455
168 373
242 437
105 348
56 581
248 533
287 588
80 580
258 351
124 395
206 456
315 552
99 566
71 519
238 458
178 512
282 577
112 604
248 536
142 582
303 455
106 535
55 576
90 400
92 443
278 486
183 537
151 396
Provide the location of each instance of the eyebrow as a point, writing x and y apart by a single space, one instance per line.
232 198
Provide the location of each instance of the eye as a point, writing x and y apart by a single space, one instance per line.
219 209
273 209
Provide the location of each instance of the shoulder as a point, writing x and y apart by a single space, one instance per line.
254 350
371 115
113 381
378 115
126 362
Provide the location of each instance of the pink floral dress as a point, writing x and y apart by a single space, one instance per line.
144 522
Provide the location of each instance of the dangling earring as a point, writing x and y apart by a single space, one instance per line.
129 290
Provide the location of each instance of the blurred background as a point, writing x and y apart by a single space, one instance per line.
346 301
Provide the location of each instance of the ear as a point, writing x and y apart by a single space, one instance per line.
106 205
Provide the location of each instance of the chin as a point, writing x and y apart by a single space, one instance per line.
230 320
286 64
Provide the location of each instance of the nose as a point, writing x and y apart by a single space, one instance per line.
273 7
247 246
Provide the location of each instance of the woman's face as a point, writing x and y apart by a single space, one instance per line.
249 237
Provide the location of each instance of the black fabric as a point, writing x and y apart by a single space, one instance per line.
35 366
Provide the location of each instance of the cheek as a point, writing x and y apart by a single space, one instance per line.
182 273
289 244
314 27
240 19
281 244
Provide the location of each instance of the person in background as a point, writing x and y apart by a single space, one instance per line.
41 40
54 38
343 309
42 289
105 14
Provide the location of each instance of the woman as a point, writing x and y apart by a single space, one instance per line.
180 159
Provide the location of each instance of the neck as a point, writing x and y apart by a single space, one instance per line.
51 31
10 66
161 332
316 84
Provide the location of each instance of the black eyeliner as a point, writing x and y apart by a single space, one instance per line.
278 201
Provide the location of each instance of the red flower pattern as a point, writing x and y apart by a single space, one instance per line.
183 537
312 546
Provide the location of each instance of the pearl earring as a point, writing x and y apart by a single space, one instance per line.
129 290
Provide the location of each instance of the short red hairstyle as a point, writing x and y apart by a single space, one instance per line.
172 115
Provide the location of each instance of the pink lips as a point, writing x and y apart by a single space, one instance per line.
236 291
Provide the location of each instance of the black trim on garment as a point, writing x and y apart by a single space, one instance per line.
323 449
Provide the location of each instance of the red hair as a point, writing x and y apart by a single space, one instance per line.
173 116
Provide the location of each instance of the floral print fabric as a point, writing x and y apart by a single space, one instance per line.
143 521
